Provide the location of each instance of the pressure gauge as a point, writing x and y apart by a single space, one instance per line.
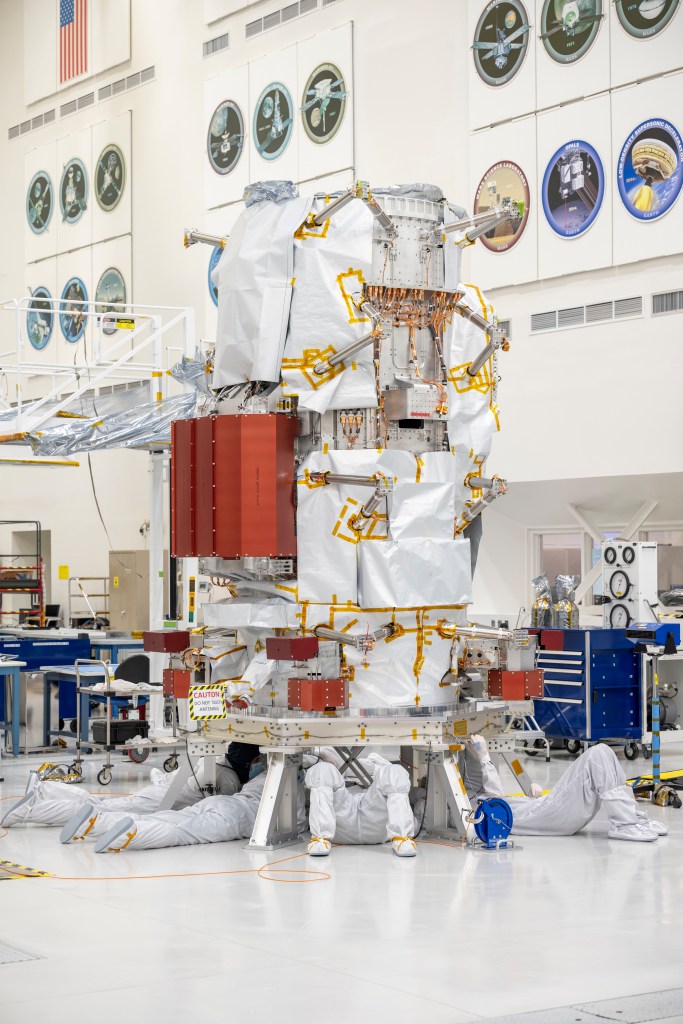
610 555
619 617
619 584
628 555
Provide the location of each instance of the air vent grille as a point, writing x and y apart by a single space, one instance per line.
104 93
667 302
544 321
275 18
36 122
68 108
86 101
118 86
215 45
49 116
13 133
147 74
599 311
133 80
573 317
24 127
628 307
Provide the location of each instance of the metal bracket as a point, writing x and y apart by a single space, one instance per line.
276 820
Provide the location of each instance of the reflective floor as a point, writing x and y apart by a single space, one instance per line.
217 934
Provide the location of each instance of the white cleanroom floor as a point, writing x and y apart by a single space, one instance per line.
216 934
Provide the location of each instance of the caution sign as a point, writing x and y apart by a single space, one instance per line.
13 870
124 323
207 702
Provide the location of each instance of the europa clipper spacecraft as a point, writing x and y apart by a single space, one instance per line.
337 495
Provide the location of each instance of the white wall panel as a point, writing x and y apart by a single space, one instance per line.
74 267
227 127
40 327
571 62
509 58
112 177
656 235
73 162
41 49
581 238
635 53
505 144
110 34
325 102
274 116
41 203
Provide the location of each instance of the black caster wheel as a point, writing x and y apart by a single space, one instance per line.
647 753
104 777
539 745
631 751
73 726
574 747
171 763
76 768
61 724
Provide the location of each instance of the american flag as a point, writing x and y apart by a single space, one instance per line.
73 39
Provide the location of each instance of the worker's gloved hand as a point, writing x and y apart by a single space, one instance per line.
536 791
478 745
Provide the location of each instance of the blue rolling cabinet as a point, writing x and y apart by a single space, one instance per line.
592 686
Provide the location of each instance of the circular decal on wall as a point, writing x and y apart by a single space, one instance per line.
73 191
213 262
645 18
110 296
323 103
573 187
73 314
504 185
39 202
110 178
650 169
569 28
273 121
40 318
225 140
500 41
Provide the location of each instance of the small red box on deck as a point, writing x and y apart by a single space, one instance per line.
292 648
516 685
177 683
166 641
552 639
317 694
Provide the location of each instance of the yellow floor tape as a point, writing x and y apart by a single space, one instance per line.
664 776
15 871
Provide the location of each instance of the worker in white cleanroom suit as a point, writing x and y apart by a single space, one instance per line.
53 803
594 783
351 815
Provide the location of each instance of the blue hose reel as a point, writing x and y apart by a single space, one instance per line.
492 823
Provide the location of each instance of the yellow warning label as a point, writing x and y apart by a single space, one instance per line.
125 323
207 703
115 583
516 767
21 871
63 572
460 728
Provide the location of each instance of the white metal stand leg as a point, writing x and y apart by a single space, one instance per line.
446 792
276 819
517 769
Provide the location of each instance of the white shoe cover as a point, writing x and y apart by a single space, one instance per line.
319 847
19 811
80 824
404 846
536 791
658 826
640 832
156 776
117 838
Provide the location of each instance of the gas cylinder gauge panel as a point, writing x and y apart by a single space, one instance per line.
629 582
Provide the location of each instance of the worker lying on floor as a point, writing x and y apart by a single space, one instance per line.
350 815
53 803
595 782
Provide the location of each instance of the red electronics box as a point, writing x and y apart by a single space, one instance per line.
516 685
318 694
232 486
177 683
291 648
166 641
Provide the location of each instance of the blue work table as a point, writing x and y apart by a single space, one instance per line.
114 645
13 670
